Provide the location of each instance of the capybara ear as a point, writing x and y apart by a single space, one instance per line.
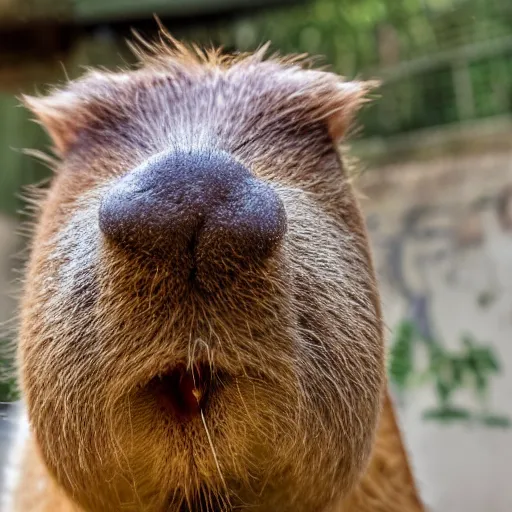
325 96
346 102
65 112
55 114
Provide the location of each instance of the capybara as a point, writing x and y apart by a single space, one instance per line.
200 324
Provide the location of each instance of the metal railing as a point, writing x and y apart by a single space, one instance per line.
470 82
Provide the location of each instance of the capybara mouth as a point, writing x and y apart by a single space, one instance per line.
183 392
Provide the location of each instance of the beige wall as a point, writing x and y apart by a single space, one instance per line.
442 239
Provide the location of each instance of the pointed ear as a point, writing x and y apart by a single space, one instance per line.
55 114
66 112
347 101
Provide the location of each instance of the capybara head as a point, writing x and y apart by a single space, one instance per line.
200 324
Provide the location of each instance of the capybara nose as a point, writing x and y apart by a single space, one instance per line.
203 204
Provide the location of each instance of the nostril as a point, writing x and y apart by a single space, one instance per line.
121 216
145 210
252 224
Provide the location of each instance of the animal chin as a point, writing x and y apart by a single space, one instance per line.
183 392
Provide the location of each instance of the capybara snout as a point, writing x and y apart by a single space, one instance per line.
200 326
196 208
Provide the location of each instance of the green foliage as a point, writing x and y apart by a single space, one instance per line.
471 367
493 420
8 391
403 42
401 364
447 414
8 387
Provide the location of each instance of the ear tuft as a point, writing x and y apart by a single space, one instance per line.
65 112
58 114
349 99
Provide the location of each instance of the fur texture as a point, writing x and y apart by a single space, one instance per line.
294 343
388 484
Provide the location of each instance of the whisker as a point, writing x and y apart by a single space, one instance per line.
214 453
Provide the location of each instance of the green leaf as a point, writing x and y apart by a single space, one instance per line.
496 421
447 414
401 355
8 391
480 383
458 368
486 359
443 389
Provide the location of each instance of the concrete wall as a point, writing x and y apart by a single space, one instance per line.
442 238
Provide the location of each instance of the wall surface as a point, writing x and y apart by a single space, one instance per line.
442 238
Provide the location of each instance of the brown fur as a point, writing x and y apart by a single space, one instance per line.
388 484
297 340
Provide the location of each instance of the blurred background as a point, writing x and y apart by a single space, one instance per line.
436 187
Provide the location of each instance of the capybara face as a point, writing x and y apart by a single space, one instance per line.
200 324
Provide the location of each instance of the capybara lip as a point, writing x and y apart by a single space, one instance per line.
183 392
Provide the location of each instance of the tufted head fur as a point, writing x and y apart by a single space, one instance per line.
292 345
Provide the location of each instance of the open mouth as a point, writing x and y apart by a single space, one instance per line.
183 392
